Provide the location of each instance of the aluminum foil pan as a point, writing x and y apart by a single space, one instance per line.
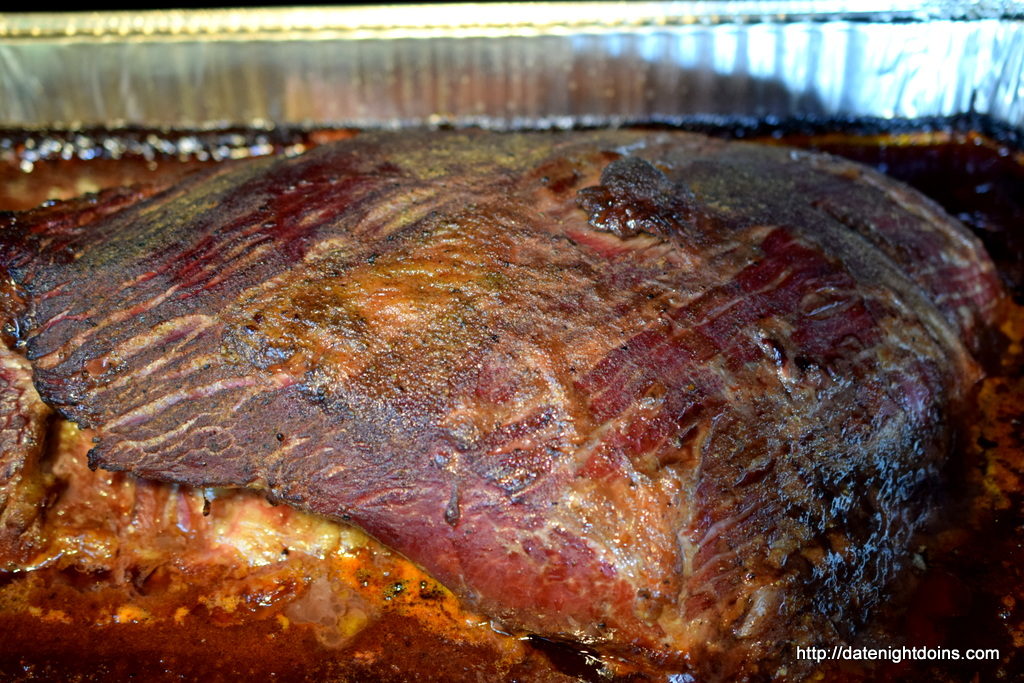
513 65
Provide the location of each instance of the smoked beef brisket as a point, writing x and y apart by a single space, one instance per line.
653 390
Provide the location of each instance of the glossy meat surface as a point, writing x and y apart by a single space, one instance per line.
22 428
647 389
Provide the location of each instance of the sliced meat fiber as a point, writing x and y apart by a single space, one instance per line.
22 480
652 391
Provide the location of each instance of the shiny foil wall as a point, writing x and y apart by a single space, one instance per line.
509 65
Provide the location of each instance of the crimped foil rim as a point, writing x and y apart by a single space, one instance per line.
479 19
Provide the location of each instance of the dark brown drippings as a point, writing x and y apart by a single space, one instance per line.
582 663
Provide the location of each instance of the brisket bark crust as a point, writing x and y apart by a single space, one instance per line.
653 390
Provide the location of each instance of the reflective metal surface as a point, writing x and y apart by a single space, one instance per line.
511 65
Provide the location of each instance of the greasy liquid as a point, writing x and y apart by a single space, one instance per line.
967 588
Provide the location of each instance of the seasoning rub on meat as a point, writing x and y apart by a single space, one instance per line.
648 390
